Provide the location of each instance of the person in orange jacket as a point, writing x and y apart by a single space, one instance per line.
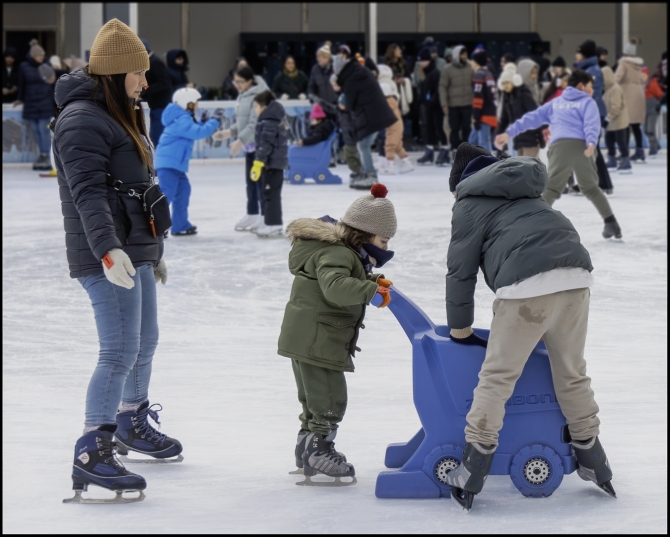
652 93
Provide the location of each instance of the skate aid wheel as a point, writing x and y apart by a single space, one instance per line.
537 471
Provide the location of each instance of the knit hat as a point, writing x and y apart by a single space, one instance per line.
55 62
116 50
424 55
587 48
464 154
479 57
509 74
558 62
601 50
344 48
373 213
317 113
631 47
325 49
448 52
35 49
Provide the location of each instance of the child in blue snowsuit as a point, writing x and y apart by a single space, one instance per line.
174 151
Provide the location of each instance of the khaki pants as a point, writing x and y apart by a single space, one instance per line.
528 152
517 326
565 156
393 144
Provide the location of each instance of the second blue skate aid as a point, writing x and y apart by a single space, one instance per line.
534 443
311 162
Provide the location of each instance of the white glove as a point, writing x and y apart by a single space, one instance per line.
160 272
118 268
302 97
284 97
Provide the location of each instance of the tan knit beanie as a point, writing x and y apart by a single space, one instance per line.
35 49
117 50
373 213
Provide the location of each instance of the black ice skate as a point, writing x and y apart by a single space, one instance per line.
320 457
134 433
95 463
611 228
468 478
300 449
592 464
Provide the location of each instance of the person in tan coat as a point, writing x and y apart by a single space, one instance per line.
629 76
394 133
617 128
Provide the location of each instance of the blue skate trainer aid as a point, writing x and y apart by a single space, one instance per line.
534 443
311 162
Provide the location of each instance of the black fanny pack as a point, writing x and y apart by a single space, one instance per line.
155 204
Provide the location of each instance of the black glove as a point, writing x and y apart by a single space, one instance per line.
472 339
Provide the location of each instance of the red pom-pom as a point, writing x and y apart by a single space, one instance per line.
379 191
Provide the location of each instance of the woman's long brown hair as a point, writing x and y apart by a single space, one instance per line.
122 110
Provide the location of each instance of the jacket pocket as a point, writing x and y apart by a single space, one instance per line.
334 333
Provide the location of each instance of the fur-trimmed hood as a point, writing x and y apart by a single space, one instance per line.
314 229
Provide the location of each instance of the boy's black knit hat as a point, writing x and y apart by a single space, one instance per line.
558 62
464 155
587 48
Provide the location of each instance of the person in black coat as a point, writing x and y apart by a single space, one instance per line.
229 91
319 89
158 94
177 65
517 100
290 82
431 113
10 76
37 96
319 130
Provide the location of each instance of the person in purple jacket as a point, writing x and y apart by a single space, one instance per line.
574 120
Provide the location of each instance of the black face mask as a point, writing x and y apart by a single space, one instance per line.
380 256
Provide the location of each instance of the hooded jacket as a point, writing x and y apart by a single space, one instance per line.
429 88
386 82
245 115
36 94
590 65
524 69
159 92
177 73
88 144
629 76
176 142
617 111
365 101
11 79
572 115
318 133
271 137
501 225
327 304
455 86
320 90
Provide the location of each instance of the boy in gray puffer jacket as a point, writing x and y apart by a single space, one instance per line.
532 258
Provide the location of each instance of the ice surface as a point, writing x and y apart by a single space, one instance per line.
232 401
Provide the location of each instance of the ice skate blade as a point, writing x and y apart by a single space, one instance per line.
297 471
126 460
120 498
607 487
462 498
337 483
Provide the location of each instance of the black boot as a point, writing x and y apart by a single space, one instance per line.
320 457
468 478
427 157
612 228
592 463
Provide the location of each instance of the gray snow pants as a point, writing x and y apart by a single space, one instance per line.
565 156
518 324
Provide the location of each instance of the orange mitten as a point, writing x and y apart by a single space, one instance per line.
386 296
384 282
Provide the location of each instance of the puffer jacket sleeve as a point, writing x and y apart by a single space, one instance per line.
319 134
266 138
84 146
463 258
336 283
247 133
188 128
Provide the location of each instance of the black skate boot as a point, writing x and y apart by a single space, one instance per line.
95 463
135 434
320 457
468 478
443 159
427 157
364 182
592 463
193 230
300 449
612 228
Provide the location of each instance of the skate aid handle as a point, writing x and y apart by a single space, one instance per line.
386 296
383 282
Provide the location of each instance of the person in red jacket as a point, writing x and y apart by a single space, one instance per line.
652 93
484 102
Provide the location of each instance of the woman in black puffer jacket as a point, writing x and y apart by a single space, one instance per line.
100 132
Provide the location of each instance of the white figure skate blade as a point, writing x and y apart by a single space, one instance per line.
309 482
119 498
149 460
297 471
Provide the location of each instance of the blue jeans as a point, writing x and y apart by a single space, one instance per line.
127 325
41 133
176 187
254 188
367 165
156 127
482 137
